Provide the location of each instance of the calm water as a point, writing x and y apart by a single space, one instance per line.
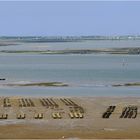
87 75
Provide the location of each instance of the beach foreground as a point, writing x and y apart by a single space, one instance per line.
75 117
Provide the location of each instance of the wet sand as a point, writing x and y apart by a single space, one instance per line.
92 125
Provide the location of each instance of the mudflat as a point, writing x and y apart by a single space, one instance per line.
70 117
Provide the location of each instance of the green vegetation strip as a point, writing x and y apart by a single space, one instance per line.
45 84
127 84
132 51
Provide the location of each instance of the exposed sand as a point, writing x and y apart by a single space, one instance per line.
91 126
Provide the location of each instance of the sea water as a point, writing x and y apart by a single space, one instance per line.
86 74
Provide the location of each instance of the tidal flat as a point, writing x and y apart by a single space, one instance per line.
71 117
70 90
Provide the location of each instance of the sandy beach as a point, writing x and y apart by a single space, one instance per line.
90 125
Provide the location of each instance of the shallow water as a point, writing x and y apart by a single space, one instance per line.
87 75
94 44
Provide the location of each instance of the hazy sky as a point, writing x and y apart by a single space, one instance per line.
69 18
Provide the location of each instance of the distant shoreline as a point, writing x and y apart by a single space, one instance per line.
69 38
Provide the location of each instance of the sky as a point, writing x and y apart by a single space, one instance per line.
52 18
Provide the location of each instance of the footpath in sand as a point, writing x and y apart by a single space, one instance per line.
95 117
